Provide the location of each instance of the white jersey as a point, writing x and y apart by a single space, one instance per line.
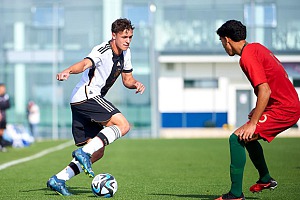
107 66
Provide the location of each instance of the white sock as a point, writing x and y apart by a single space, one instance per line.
110 133
67 173
93 146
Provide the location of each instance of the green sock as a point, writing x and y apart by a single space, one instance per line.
256 155
238 161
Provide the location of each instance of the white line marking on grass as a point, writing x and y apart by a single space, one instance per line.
38 155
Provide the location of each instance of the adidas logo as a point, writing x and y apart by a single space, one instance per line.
90 92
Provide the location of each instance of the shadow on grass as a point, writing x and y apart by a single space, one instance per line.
73 190
196 196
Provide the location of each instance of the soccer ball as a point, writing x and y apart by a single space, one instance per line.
104 185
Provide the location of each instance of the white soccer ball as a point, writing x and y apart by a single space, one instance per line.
104 185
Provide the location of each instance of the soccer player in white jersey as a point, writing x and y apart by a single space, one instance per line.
96 121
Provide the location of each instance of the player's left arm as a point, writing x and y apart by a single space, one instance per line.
263 96
247 130
131 83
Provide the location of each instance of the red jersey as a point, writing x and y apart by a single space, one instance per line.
261 66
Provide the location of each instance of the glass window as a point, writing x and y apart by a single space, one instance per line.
138 14
260 15
201 83
48 17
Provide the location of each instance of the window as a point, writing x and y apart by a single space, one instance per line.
48 17
201 83
139 15
260 15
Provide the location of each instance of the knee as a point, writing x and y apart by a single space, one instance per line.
120 121
124 127
233 137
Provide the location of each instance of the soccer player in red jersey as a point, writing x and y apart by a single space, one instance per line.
277 107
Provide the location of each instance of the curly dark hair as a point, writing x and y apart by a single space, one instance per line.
233 29
120 25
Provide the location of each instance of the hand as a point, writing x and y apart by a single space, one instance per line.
140 88
62 76
246 131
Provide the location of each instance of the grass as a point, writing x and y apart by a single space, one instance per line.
154 169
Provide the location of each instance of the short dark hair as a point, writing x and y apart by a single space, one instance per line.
233 29
120 25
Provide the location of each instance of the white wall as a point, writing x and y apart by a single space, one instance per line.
173 97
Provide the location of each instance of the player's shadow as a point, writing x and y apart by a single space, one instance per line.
34 190
196 196
73 190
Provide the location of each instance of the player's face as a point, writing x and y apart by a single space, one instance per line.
123 39
2 90
227 46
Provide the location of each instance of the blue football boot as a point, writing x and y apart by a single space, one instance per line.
85 160
59 186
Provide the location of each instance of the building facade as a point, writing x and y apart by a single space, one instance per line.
190 80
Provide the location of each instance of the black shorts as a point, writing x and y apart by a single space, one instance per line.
87 117
2 124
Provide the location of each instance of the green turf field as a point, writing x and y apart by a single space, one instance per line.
154 169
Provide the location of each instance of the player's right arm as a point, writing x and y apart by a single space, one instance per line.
74 69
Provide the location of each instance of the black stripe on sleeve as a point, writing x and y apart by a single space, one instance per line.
93 63
127 71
